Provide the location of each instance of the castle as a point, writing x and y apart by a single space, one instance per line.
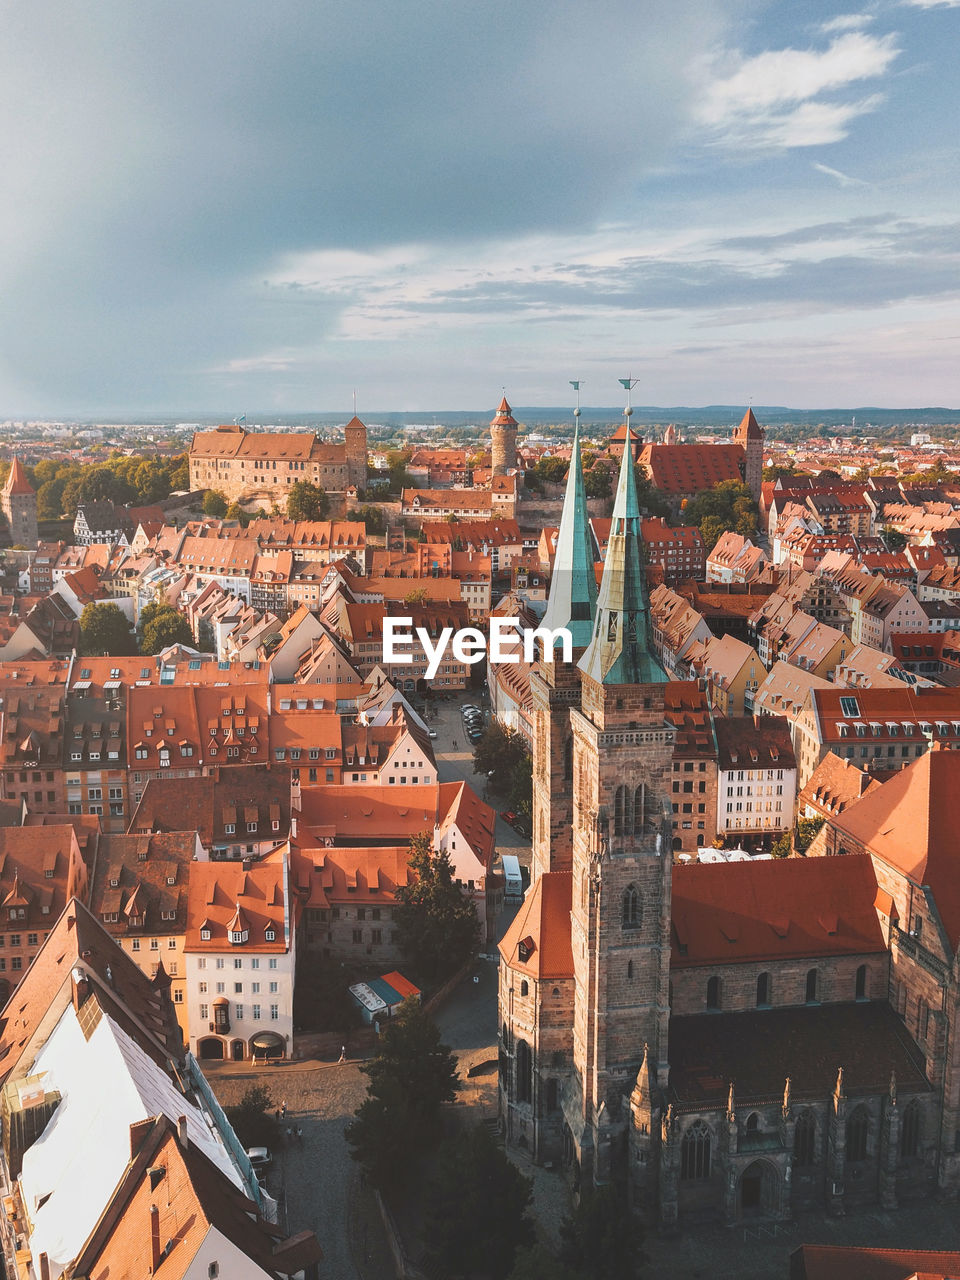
19 504
733 1040
258 465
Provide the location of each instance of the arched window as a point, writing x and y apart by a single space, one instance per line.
763 990
714 993
858 1126
632 908
910 1131
753 1123
524 987
568 760
805 1140
639 808
695 1152
629 968
862 982
619 804
553 1095
524 1072
505 1036
813 986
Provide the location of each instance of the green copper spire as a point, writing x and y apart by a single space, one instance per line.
573 586
619 651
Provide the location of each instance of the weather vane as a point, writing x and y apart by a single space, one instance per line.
628 384
576 386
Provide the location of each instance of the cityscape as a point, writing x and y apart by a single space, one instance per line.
480 641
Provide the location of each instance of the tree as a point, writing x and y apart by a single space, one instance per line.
215 504
50 499
411 1077
895 540
164 628
552 470
252 1118
807 829
104 630
782 847
502 757
373 518
236 512
472 1171
307 501
597 482
651 500
781 471
417 596
602 1239
437 926
728 505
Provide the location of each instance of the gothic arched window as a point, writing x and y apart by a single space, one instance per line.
632 910
695 1152
805 1140
858 1126
622 811
639 809
910 1131
524 1072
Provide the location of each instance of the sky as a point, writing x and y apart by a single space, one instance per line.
247 207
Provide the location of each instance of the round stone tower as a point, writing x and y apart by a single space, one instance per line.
503 439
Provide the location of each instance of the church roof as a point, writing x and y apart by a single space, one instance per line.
912 822
573 586
728 913
620 651
688 468
17 482
757 1050
542 928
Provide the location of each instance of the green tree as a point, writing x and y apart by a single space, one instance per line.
472 1170
552 470
214 504
502 757
895 540
728 505
597 482
437 926
165 628
253 1118
417 596
236 512
102 484
782 847
411 1077
806 830
104 630
307 501
602 1240
651 500
50 499
179 473
373 518
781 471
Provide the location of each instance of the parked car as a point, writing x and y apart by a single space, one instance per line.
468 706
431 733
475 734
260 1158
509 817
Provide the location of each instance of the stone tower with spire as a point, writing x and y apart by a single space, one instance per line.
19 502
555 685
620 915
750 436
503 439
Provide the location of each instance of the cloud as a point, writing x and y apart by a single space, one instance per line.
844 179
774 99
845 22
931 4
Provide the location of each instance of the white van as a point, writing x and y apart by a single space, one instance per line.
513 881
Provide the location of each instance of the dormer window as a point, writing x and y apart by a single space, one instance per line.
271 935
204 935
229 828
171 879
238 936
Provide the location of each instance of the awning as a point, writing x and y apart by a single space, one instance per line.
266 1040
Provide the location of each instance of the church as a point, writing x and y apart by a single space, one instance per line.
734 1041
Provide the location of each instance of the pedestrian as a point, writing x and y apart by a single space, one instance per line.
343 1053
276 1115
283 1110
289 1133
300 1135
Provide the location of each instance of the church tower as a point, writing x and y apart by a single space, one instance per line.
555 685
355 452
750 435
19 503
503 439
622 866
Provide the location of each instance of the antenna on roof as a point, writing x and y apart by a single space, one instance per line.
354 401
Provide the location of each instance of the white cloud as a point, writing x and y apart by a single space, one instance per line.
844 179
845 22
774 99
931 4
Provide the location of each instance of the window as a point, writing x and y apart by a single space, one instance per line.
861 989
204 1012
805 1140
273 988
813 986
632 914
202 988
255 988
272 962
714 993
256 1013
695 1152
858 1127
763 990
239 1012
524 1072
274 1012
910 1131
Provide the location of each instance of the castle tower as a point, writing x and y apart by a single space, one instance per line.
750 435
355 447
620 917
19 503
555 686
503 437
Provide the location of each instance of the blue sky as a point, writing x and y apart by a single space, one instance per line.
231 206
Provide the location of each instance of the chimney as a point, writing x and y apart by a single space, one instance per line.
182 1131
44 1267
154 1237
80 987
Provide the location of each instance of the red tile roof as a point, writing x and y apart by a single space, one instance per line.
544 919
777 910
17 482
688 468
